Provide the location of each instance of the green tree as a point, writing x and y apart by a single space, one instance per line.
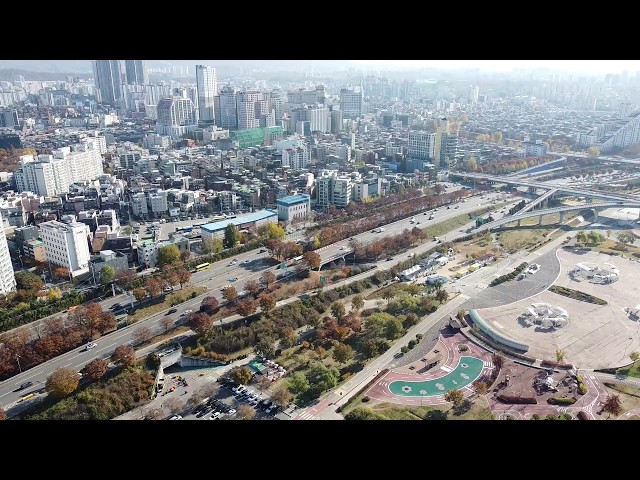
288 337
169 255
322 378
241 375
454 396
275 231
298 383
342 353
357 302
107 275
364 413
471 164
212 246
442 295
498 138
559 354
29 282
565 149
266 347
231 236
634 356
393 328
593 151
338 310
62 382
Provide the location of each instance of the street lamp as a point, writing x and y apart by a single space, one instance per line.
18 360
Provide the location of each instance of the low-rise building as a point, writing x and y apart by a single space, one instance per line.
293 207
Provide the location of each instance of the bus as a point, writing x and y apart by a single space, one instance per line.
202 266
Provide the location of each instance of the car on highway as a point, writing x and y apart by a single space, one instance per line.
90 346
186 312
176 417
246 261
389 259
232 279
24 385
173 310
262 250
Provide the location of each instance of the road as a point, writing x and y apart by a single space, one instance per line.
213 278
395 228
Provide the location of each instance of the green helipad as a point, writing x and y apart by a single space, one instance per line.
466 372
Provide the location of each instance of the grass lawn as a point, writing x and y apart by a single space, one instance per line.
458 221
629 395
516 240
147 312
631 371
476 410
607 247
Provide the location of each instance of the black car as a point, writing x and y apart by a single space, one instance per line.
390 258
25 385
173 310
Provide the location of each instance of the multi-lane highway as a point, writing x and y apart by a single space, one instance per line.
249 266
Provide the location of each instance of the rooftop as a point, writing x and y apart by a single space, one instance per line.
293 199
241 220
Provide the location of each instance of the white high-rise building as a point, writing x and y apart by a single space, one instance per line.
421 145
251 105
207 84
351 102
7 278
51 175
158 202
296 158
66 245
176 116
139 204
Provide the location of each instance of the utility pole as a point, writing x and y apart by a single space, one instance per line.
18 360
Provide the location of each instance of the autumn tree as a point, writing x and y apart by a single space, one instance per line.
124 356
245 412
268 278
498 360
174 405
593 151
480 387
288 337
253 287
87 318
153 286
106 322
184 255
107 275
142 334
169 255
241 375
454 396
209 304
442 295
184 276
61 273
95 369
166 323
246 307
312 259
124 277
338 310
29 282
229 293
200 323
3 414
140 293
282 396
342 353
267 302
357 302
612 405
559 354
471 164
62 382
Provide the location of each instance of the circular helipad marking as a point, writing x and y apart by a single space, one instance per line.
406 389
464 365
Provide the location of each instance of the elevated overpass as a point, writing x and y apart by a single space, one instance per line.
536 185
541 200
596 207
604 158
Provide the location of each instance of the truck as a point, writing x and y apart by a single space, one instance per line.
379 230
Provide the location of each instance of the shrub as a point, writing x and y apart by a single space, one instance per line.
519 400
561 401
404 349
419 336
582 389
411 344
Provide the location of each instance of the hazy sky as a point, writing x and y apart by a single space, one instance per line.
586 66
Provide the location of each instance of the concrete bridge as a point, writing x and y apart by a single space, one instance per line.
595 207
542 200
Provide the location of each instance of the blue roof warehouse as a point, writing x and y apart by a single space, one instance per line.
250 221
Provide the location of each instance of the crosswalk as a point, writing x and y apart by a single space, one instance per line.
305 416
446 369
487 364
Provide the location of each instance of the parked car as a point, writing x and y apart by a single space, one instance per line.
176 417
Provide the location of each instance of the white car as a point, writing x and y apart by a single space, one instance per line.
533 268
176 417
215 416
90 346
187 312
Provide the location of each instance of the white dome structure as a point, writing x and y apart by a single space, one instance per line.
595 273
545 316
